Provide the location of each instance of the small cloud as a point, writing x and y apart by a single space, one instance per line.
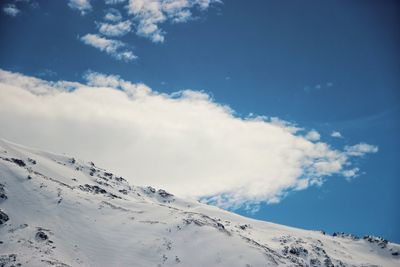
113 15
360 150
11 10
350 174
336 134
317 87
115 30
227 78
114 48
313 135
83 6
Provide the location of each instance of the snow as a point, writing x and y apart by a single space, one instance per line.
63 211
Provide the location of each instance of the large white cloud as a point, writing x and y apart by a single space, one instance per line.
184 142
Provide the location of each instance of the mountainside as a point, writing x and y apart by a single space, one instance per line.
60 211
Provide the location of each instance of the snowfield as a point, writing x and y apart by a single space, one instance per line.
60 211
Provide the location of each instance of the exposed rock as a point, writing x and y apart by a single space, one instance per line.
328 262
41 236
381 242
5 260
345 235
298 251
92 171
3 217
164 193
120 179
3 195
113 195
123 191
92 188
19 162
243 226
220 225
32 161
315 262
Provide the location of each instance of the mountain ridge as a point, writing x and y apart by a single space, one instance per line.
57 210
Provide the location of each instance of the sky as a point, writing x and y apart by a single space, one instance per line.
285 111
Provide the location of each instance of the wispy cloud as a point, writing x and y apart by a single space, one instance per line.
317 87
200 148
115 48
145 18
83 6
115 30
11 10
360 150
46 73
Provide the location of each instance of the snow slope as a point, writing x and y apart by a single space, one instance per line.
59 211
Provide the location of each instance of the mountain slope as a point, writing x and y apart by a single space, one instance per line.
59 211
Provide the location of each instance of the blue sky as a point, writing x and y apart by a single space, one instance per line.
331 66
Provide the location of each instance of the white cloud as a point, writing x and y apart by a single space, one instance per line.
115 30
313 135
113 15
149 14
83 6
336 134
146 18
115 48
360 150
11 10
184 142
350 174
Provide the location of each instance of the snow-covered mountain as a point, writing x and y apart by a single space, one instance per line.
60 211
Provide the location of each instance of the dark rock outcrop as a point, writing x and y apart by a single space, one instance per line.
3 217
19 162
3 195
41 236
